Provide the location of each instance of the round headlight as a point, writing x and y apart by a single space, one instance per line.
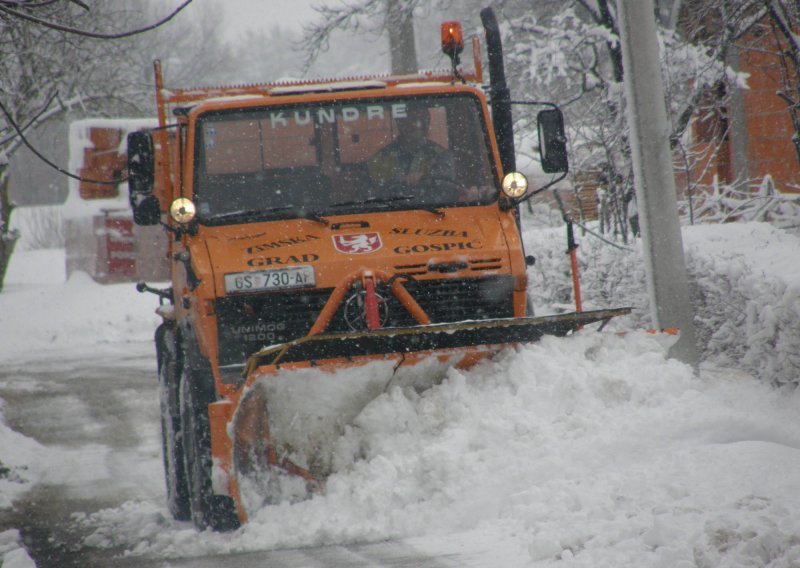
182 210
515 185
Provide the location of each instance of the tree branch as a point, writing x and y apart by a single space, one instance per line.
67 29
316 37
31 122
41 156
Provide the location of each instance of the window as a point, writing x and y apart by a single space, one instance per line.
344 156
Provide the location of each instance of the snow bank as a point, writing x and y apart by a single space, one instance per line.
18 468
747 280
745 288
40 310
12 553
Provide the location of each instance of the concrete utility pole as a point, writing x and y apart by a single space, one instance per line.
667 281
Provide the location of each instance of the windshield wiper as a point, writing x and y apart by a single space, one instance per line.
245 214
391 199
436 211
374 200
313 216
256 213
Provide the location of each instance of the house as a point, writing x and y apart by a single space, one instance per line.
741 135
100 236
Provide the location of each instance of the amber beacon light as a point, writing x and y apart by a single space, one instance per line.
452 39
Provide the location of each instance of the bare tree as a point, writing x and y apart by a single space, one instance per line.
568 52
64 56
392 17
784 18
400 25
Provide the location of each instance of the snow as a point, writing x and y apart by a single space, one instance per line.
13 553
744 284
40 310
593 450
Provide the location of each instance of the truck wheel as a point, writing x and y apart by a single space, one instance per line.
207 510
171 438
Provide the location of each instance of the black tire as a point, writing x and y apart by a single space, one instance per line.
171 436
217 512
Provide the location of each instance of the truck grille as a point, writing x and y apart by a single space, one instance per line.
248 323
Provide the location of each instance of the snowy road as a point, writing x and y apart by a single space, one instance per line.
389 554
586 451
102 415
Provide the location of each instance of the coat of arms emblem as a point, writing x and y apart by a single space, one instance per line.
357 244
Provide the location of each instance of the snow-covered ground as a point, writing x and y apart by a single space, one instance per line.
594 450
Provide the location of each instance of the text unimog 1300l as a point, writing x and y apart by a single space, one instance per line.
317 260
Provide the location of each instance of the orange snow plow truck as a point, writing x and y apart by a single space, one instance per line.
329 239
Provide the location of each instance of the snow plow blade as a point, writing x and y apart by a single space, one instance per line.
427 338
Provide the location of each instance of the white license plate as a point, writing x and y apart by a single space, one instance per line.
275 279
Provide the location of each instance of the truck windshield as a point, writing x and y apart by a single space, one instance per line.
343 156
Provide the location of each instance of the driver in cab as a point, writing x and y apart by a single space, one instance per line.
411 159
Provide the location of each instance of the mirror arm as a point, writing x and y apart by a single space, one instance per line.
534 103
180 230
541 189
176 231
509 203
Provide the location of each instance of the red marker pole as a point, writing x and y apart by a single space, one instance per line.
572 247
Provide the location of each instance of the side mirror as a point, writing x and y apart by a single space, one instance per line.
147 210
552 141
141 176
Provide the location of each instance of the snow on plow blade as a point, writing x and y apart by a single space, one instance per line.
300 396
428 337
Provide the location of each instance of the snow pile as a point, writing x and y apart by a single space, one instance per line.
40 310
21 466
593 449
12 552
746 290
749 298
